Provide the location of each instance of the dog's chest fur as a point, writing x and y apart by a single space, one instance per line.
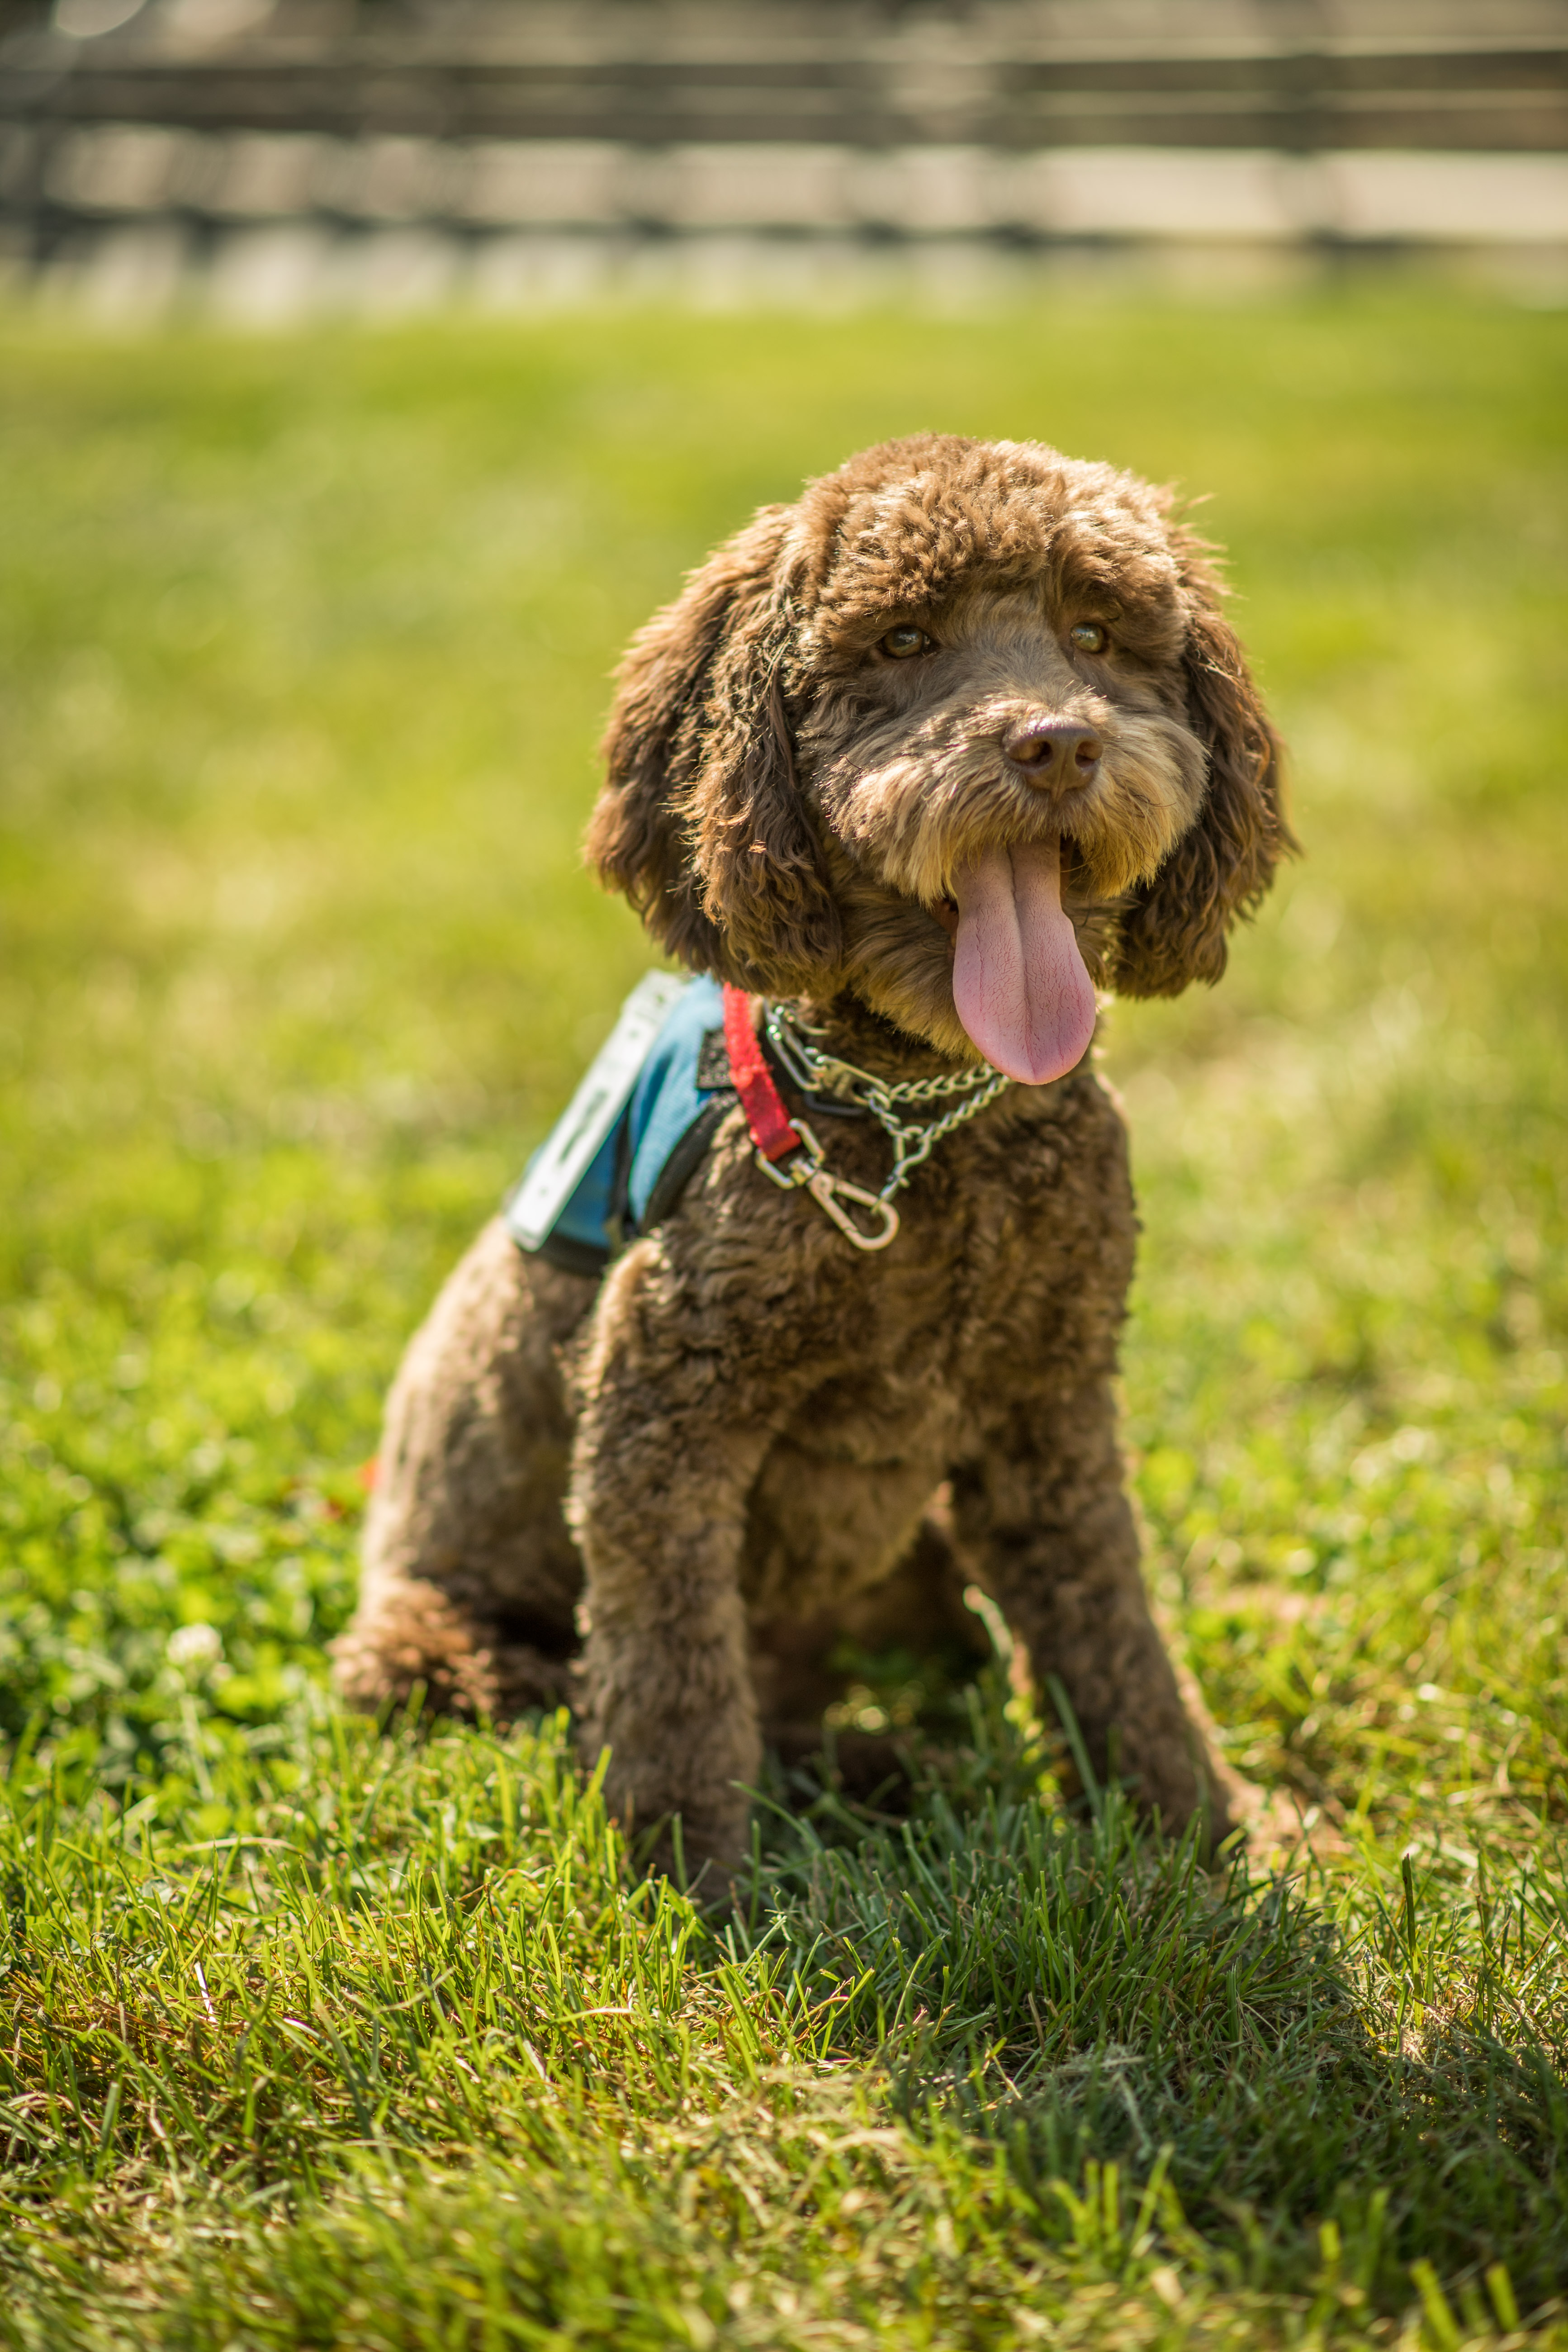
880 1374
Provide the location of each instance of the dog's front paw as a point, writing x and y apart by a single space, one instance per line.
696 1844
704 1858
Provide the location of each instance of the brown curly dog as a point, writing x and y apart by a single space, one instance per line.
919 761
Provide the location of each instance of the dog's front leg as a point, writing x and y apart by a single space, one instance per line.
680 1396
1047 1526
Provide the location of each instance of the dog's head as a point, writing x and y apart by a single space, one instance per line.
962 730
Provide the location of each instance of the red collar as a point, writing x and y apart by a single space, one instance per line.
772 1131
776 1135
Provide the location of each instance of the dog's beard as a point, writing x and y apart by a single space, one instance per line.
977 909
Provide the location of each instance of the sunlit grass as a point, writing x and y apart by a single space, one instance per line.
313 2037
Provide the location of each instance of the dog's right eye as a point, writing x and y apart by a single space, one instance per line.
904 641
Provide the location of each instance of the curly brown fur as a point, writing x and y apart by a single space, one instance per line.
711 1465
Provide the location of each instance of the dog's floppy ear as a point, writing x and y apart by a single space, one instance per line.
701 820
1174 931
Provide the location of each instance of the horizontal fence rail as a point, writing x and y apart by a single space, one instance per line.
252 177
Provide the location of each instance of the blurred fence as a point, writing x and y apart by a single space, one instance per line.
282 154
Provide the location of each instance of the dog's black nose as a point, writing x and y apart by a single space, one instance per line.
1057 752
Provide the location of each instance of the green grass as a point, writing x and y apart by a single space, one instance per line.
314 2036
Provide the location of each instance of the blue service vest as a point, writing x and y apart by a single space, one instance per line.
657 1142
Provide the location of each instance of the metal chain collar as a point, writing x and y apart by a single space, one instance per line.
913 1140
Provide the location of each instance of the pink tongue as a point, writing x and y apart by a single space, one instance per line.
1018 981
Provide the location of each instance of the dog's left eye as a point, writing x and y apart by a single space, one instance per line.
1089 637
904 641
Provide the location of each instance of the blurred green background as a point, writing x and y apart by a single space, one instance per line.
306 645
